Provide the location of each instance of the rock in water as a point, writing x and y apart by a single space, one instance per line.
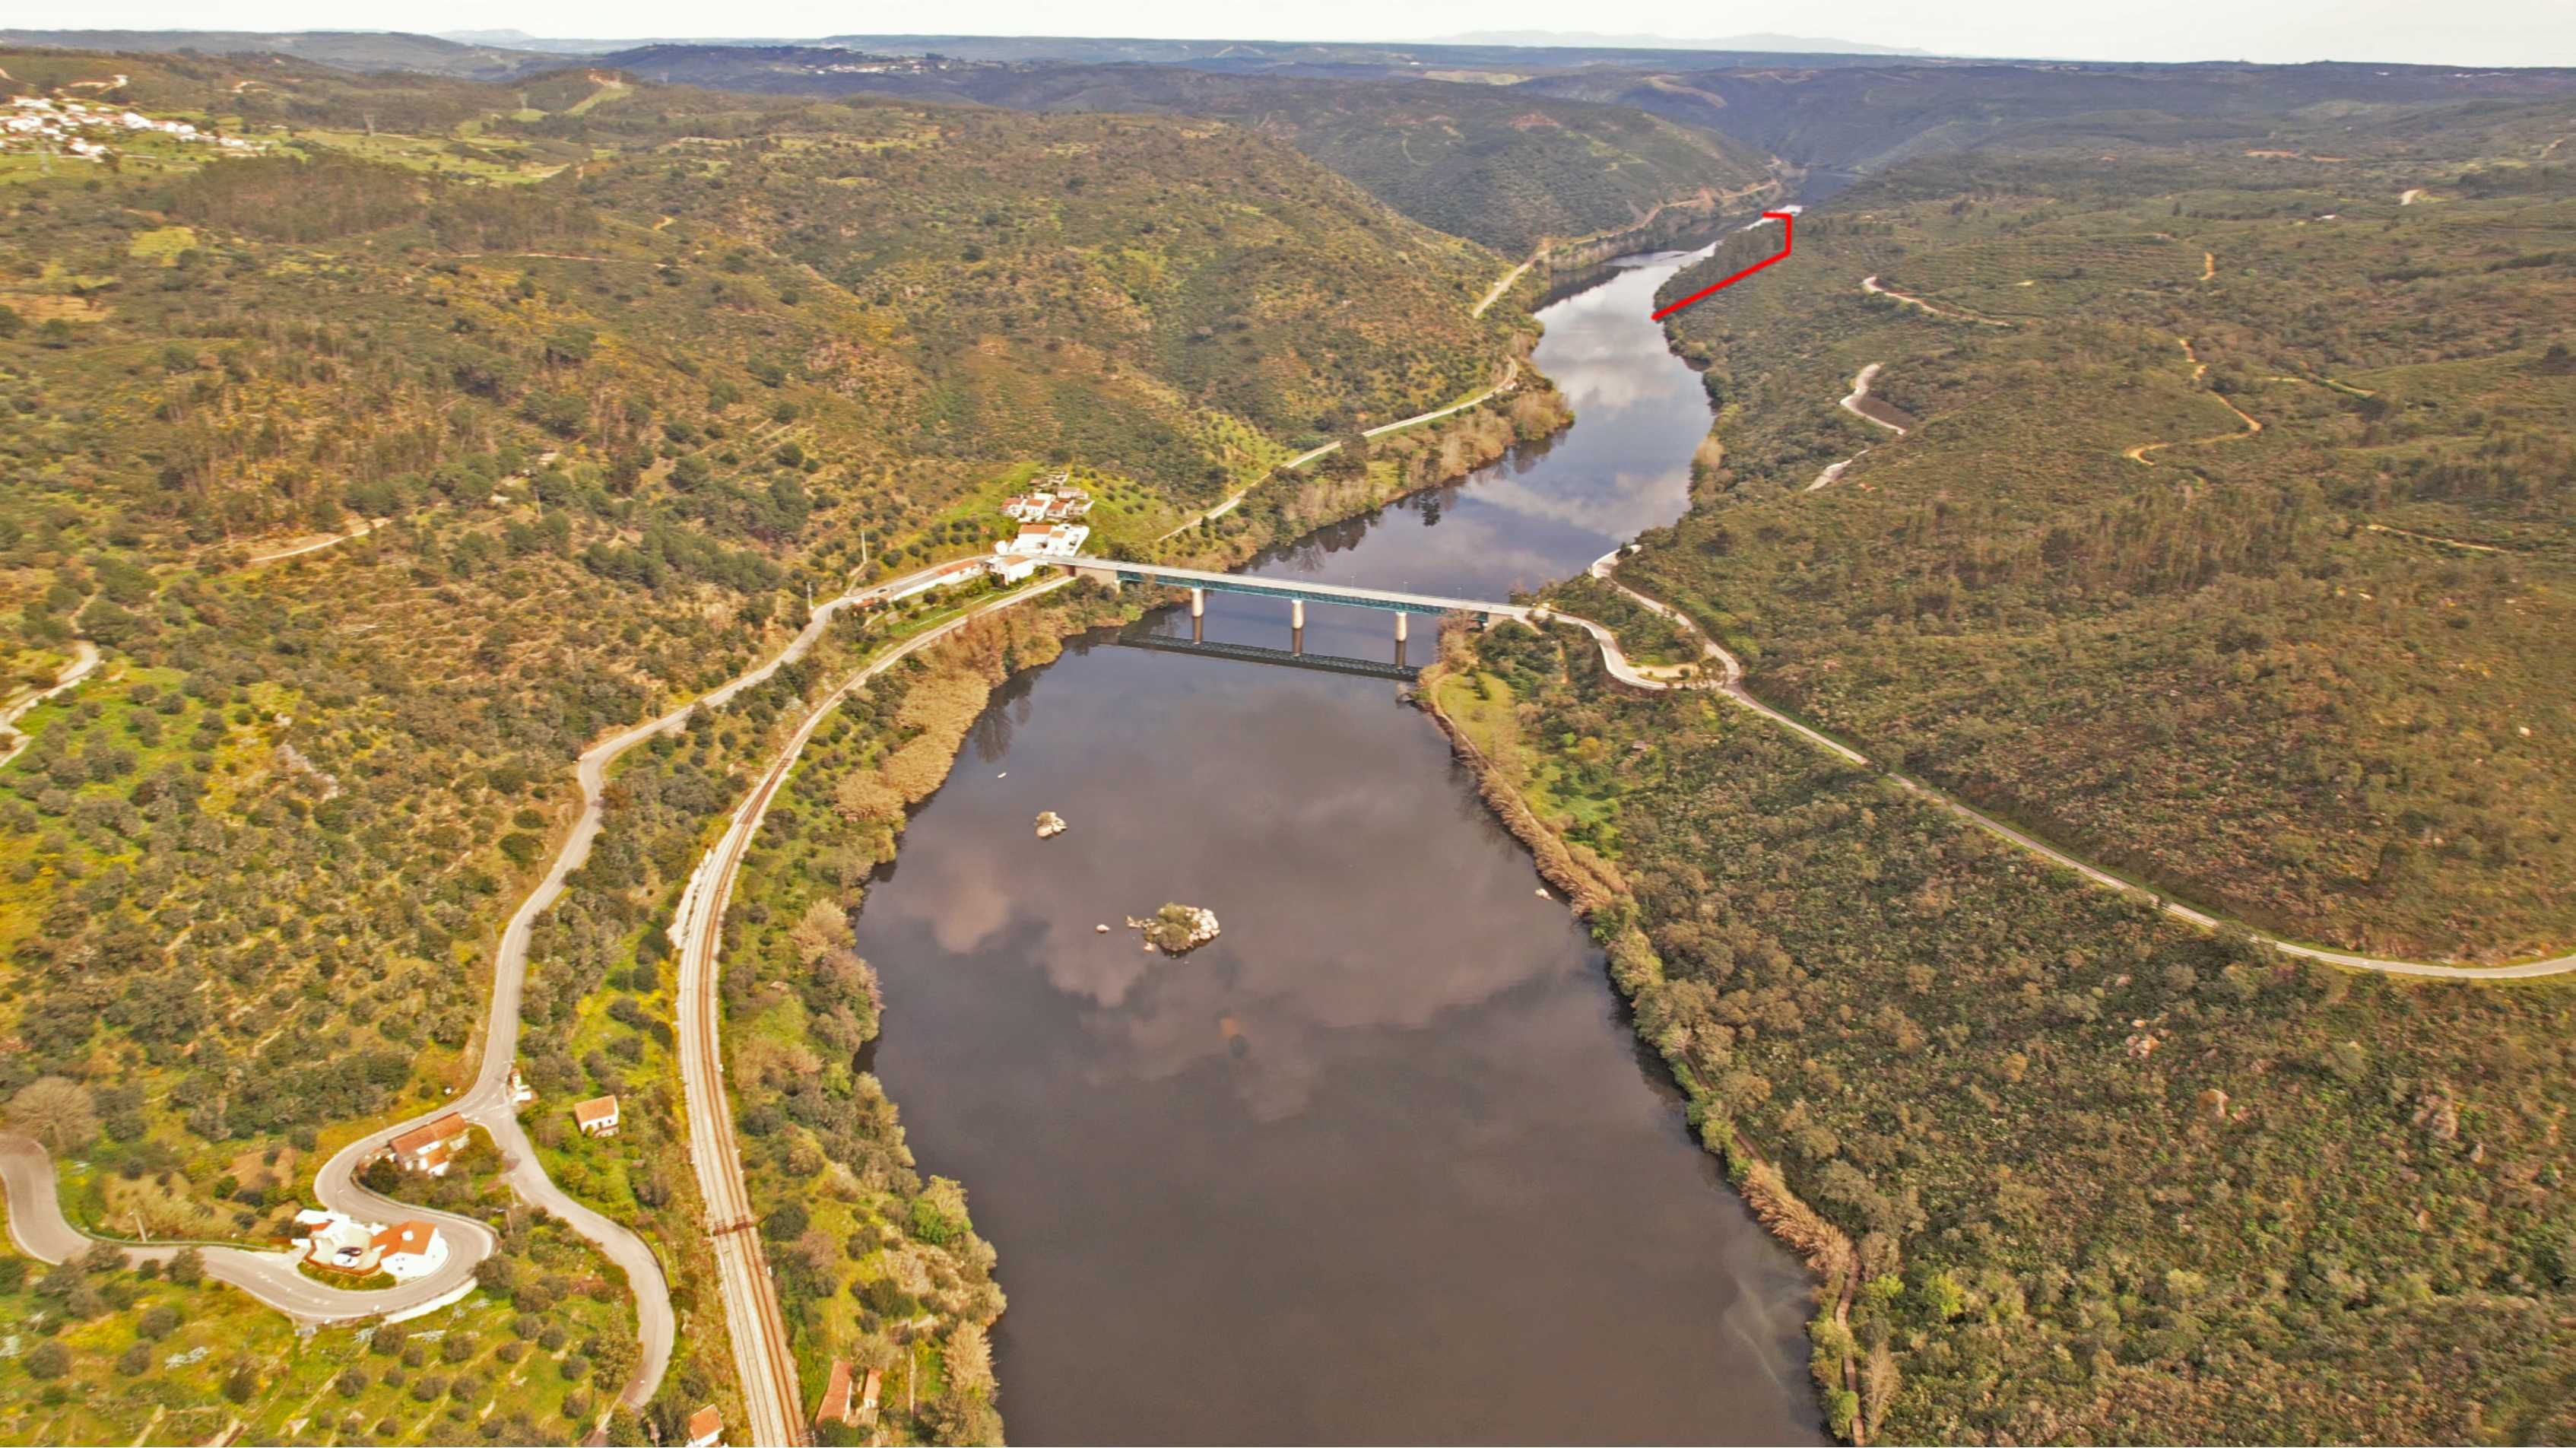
1177 929
1050 824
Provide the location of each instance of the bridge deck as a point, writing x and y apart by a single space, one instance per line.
1257 654
1379 598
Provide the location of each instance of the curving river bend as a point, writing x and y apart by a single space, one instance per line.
1385 1161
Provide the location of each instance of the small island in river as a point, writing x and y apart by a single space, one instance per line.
1176 929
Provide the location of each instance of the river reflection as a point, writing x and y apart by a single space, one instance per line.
1380 1163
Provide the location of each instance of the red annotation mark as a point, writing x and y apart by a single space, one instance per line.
1787 220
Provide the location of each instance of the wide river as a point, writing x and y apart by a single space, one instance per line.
1385 1162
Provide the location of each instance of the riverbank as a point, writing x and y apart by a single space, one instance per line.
1476 712
1279 1082
835 816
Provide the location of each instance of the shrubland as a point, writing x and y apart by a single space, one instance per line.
578 394
2230 546
2067 1170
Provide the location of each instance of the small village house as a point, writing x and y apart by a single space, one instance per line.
836 1396
403 1251
430 1148
839 1404
597 1116
1045 540
706 1427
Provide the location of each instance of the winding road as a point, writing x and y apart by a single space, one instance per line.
37 1223
1852 404
83 663
1730 681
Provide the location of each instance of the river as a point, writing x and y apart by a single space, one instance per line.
1385 1162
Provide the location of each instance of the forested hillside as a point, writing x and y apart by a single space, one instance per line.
1505 167
2067 1171
2230 544
1868 115
394 462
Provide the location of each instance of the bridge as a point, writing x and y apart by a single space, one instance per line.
1200 582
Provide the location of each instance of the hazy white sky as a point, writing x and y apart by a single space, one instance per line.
2460 32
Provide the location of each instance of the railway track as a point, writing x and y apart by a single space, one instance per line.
773 1399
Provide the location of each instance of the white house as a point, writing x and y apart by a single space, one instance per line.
1045 540
597 1116
403 1251
408 1250
1048 505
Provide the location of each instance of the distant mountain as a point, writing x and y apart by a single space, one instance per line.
1492 163
576 45
349 49
1761 42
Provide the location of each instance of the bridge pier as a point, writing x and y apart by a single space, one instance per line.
1401 620
1297 625
1198 615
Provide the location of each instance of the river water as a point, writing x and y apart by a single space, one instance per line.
1385 1161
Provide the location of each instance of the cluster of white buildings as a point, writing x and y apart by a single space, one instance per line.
81 129
1047 528
403 1251
1052 502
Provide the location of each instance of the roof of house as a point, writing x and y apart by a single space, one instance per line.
595 1110
413 1237
421 1138
836 1395
705 1422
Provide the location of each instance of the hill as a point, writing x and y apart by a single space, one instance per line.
1871 115
349 49
455 426
2228 543
1504 168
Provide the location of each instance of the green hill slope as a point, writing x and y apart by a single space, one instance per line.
2302 673
623 377
1501 166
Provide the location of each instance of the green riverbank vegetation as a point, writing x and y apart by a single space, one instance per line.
2067 1170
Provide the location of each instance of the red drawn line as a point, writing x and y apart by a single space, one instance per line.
1787 220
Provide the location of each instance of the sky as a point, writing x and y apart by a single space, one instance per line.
2460 32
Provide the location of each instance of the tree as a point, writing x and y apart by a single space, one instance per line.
1352 458
54 1110
969 1362
49 1359
822 929
188 1268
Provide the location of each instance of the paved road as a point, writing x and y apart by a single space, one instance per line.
36 1219
1731 682
763 1359
1511 375
37 1225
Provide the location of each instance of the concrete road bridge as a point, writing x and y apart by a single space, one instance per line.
1200 582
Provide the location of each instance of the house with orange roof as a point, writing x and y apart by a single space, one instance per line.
597 1116
431 1147
836 1396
